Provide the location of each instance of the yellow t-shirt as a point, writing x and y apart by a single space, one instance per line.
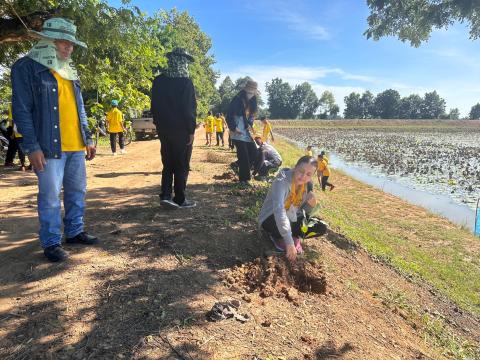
16 134
267 128
68 114
309 152
115 119
323 168
210 124
218 124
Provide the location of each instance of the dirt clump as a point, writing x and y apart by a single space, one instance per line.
275 276
228 175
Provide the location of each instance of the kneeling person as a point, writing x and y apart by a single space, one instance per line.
281 215
267 159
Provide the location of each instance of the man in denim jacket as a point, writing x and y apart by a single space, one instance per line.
49 112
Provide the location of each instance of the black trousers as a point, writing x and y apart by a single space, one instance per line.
230 142
220 137
262 166
270 226
176 164
13 148
246 154
113 141
325 182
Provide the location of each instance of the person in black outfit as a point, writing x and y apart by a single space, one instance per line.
240 117
174 110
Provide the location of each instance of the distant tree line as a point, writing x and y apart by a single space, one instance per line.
390 105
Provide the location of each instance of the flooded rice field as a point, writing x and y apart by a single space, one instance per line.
441 161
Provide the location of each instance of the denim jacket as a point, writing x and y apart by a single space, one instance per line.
35 108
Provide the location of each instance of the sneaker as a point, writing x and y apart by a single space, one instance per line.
298 244
114 154
245 184
332 187
278 243
123 151
55 253
169 204
187 204
82 238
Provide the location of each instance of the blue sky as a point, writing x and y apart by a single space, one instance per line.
322 42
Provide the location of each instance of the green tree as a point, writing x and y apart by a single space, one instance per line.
226 92
410 107
433 106
279 95
125 47
353 108
303 101
386 104
454 114
328 107
414 20
367 105
475 112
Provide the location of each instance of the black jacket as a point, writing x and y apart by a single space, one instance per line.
174 106
237 108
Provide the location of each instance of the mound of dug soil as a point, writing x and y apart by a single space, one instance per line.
228 175
274 275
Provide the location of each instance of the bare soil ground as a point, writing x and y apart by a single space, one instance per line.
144 292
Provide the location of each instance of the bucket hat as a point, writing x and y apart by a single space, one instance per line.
59 29
114 103
180 52
252 86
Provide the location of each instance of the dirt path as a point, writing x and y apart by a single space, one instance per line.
145 291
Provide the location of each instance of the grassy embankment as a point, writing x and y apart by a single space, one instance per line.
414 241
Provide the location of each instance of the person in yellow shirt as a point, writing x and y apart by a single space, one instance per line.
220 126
115 127
209 128
14 144
48 109
309 151
323 172
267 130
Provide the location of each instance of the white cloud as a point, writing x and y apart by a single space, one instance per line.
284 12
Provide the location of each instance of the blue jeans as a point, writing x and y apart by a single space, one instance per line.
70 172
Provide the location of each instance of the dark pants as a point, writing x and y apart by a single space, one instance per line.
246 154
270 226
113 141
220 137
262 166
230 142
325 182
176 161
13 148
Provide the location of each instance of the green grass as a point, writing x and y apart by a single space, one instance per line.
423 246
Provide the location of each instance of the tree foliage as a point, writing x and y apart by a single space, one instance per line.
475 112
126 48
304 101
279 95
353 108
414 20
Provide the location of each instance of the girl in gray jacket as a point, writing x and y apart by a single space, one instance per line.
281 214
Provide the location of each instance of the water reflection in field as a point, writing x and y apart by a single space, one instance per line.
439 204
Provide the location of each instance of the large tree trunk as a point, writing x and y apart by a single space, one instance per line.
12 30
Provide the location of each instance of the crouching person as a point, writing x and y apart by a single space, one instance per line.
268 159
281 215
49 112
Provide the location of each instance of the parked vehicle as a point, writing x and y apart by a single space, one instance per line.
144 127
